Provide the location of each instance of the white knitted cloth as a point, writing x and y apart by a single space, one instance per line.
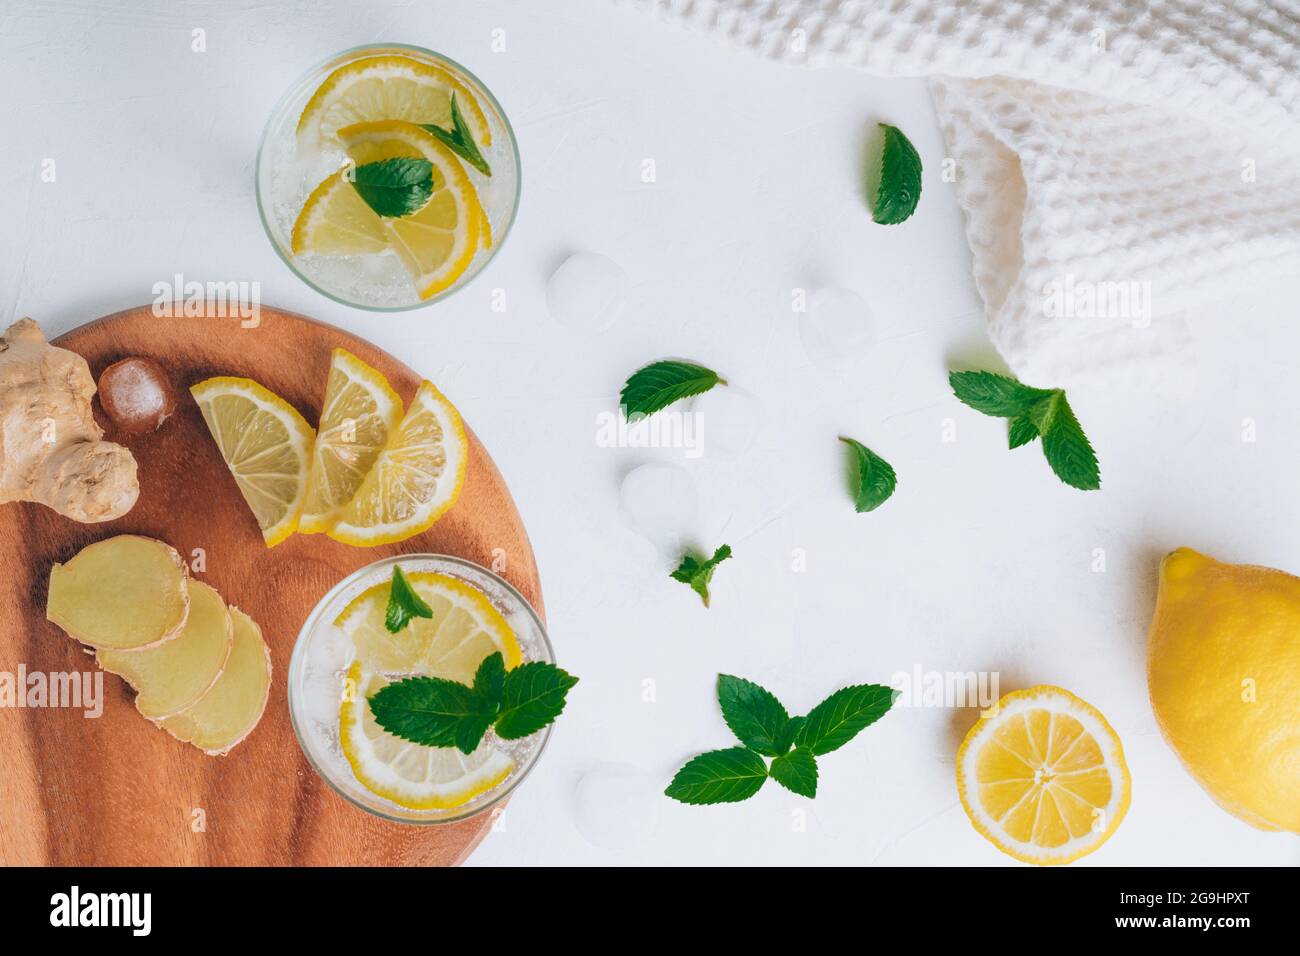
1117 160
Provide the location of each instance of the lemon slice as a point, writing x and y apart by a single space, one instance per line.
408 774
415 479
1043 777
389 87
464 629
265 443
359 412
437 242
336 221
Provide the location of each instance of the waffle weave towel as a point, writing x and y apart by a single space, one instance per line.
1117 161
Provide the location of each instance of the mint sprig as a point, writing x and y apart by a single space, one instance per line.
403 603
395 187
760 722
459 139
1034 413
876 480
654 387
698 573
900 179
436 712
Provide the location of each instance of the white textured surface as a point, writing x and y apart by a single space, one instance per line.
981 561
1097 143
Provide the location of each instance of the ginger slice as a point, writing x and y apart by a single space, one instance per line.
171 676
122 593
227 713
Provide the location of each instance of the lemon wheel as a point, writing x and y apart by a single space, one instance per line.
1043 776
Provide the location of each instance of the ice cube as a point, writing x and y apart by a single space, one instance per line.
587 293
616 805
837 329
660 500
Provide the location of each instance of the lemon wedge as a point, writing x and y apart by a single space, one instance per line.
409 774
437 242
464 629
265 443
358 414
1043 776
414 480
389 87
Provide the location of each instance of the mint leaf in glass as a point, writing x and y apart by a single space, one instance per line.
657 385
876 480
459 139
532 696
490 680
839 718
395 187
796 771
698 574
719 776
754 714
403 603
900 179
433 712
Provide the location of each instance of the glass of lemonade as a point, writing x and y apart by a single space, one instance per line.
375 105
343 653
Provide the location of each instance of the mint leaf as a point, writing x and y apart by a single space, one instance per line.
460 140
785 739
699 573
839 718
993 394
395 187
532 697
490 680
719 776
659 384
403 603
1021 431
796 771
1069 452
900 179
433 712
754 715
876 478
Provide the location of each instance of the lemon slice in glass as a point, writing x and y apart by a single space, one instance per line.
1043 776
265 443
409 774
415 479
336 221
389 87
359 412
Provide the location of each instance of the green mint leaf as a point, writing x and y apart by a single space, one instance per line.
1021 431
719 776
490 680
395 187
996 395
403 603
785 739
532 697
659 384
699 573
754 714
1043 412
432 712
900 179
796 771
839 718
1069 452
876 479
460 140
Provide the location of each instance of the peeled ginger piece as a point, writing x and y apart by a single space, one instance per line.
122 593
171 676
227 713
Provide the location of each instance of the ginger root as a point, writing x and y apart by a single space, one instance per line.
51 448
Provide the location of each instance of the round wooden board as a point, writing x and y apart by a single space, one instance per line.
115 790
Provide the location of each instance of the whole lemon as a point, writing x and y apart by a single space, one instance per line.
1223 669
